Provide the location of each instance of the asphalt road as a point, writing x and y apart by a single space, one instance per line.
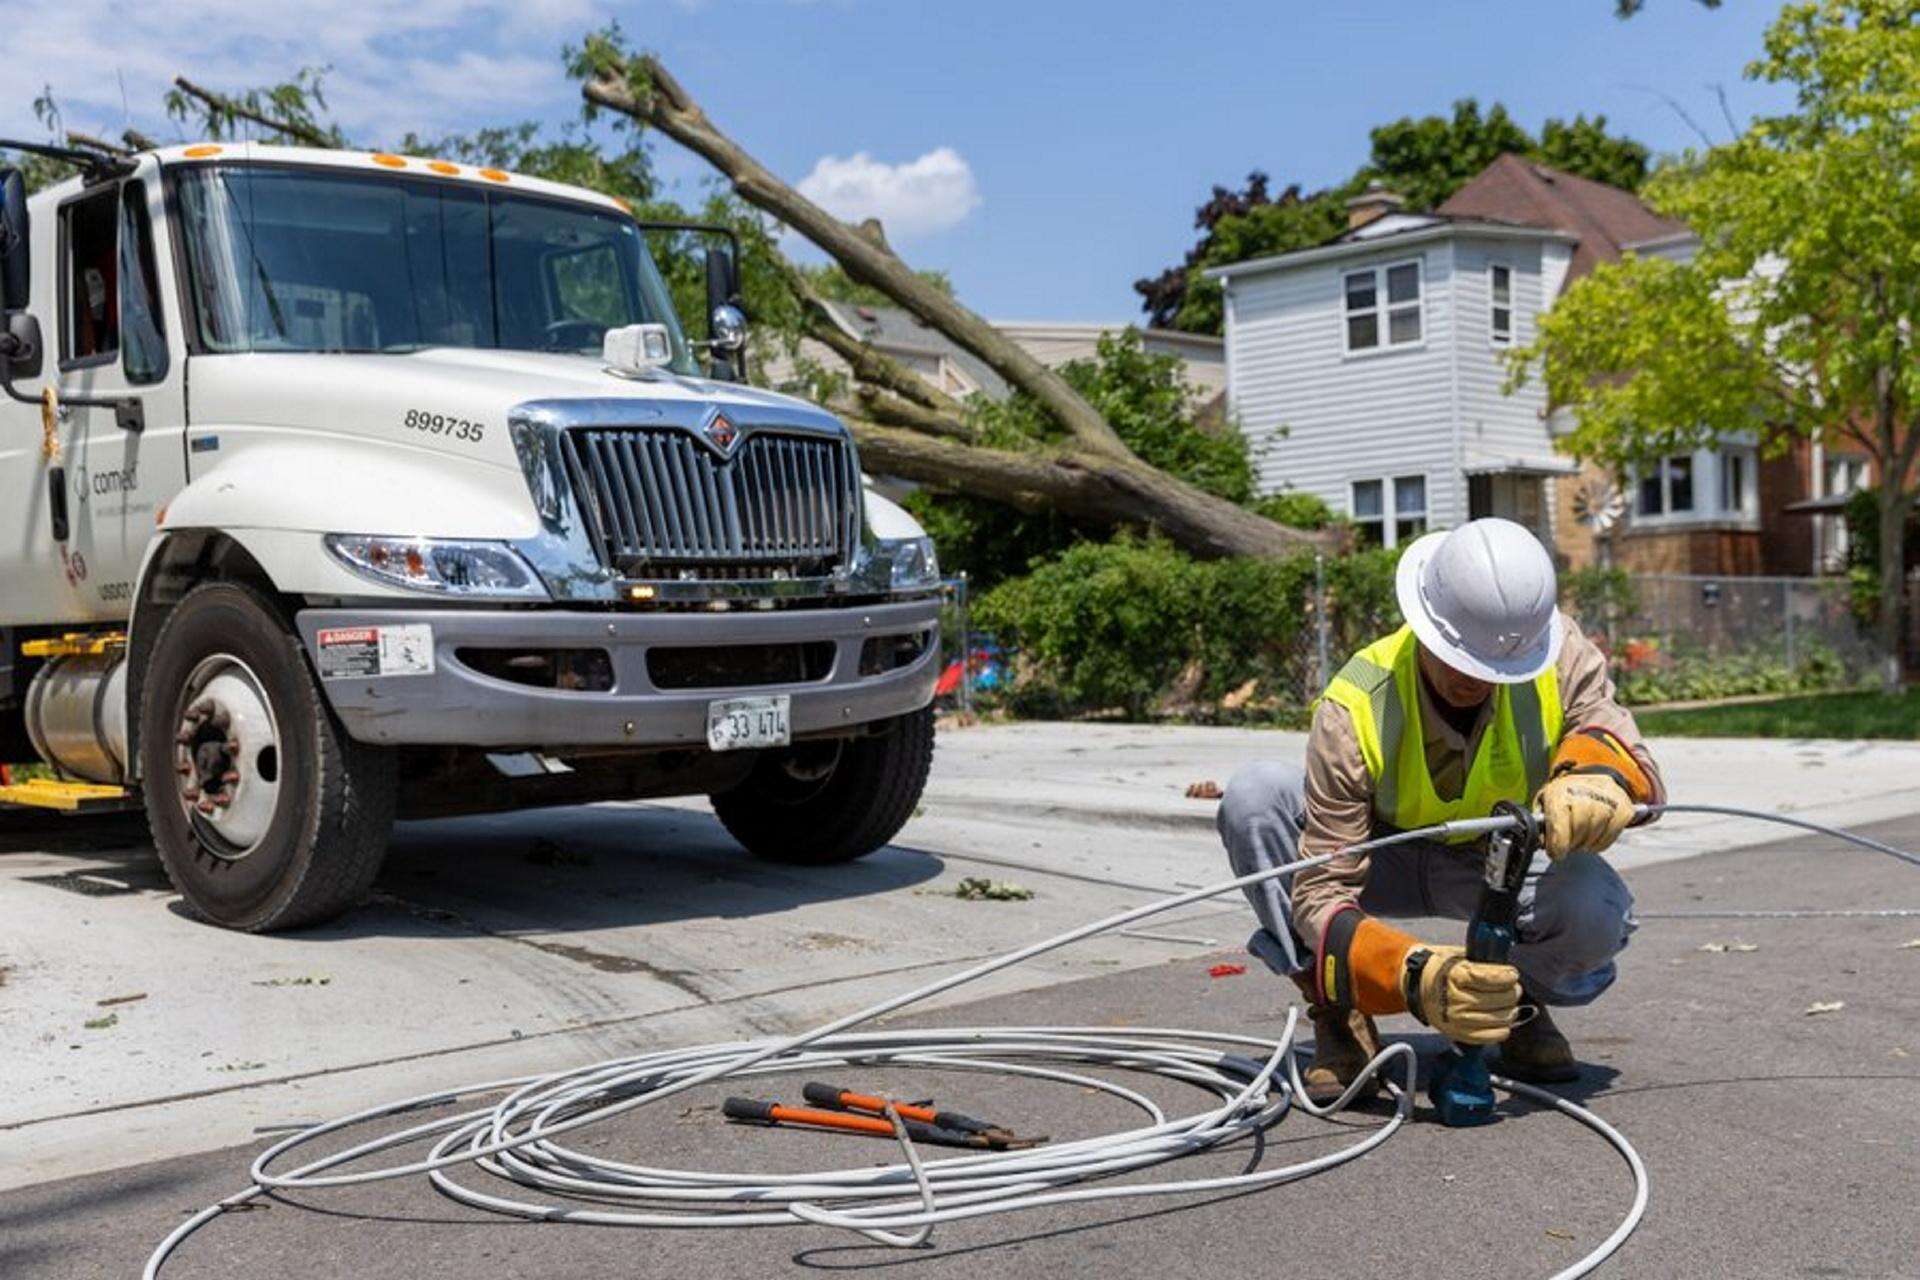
1780 1143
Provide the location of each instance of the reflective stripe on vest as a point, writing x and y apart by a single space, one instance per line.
1380 689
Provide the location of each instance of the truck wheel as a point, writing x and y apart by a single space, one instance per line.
834 801
265 813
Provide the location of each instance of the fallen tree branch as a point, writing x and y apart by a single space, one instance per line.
908 428
1090 487
88 142
665 105
225 106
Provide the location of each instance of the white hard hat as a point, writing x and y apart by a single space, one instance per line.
1481 599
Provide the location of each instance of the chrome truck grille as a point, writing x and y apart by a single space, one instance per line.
661 503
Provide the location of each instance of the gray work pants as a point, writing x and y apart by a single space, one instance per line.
1575 914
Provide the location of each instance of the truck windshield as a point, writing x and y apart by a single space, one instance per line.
306 259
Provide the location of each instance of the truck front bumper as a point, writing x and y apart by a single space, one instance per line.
453 704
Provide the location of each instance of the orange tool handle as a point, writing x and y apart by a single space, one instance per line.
775 1113
828 1096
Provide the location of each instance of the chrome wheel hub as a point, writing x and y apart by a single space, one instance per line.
227 757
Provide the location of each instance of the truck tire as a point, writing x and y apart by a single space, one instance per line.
826 802
266 815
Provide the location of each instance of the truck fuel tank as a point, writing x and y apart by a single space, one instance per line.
76 714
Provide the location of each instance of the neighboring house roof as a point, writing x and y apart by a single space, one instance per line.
1205 345
1511 197
1606 219
1428 227
895 329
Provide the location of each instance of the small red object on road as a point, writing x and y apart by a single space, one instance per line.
1226 970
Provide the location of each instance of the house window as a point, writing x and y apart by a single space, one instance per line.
1404 496
1383 306
1843 475
1500 290
1719 485
1409 508
1666 489
1369 511
1739 492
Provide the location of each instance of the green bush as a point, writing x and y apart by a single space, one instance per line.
1103 624
1686 676
1130 625
1296 510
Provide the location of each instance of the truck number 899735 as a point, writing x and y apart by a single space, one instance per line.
439 424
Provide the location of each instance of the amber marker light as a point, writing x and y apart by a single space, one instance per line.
493 175
201 152
641 592
442 167
390 161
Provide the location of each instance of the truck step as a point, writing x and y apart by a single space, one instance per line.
75 644
67 797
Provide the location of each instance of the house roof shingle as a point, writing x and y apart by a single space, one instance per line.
1606 219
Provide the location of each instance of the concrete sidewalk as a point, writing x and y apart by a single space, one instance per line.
1779 1143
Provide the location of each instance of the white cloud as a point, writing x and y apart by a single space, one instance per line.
425 66
916 198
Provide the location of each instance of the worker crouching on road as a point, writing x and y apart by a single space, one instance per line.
1486 694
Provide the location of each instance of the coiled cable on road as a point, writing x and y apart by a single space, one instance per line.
1254 1081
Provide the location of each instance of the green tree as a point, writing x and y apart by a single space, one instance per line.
1424 160
1799 315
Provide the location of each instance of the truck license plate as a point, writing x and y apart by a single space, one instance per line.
741 723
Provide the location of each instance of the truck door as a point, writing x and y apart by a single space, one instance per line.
123 465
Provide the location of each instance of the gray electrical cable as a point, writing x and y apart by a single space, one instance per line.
1256 1082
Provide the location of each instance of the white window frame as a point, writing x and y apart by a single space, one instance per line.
1746 460
1709 491
1390 513
1382 311
1496 336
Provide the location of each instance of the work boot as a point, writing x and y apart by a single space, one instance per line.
1537 1053
1343 1043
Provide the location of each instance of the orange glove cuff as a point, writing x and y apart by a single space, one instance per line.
1361 962
1597 751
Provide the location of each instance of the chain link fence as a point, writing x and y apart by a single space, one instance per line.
1678 637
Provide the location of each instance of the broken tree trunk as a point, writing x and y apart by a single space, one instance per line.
1089 487
920 435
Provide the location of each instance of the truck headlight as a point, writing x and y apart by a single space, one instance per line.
444 566
914 566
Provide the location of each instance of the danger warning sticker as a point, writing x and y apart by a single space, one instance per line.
375 651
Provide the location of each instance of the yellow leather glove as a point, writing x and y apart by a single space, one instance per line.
1467 1001
1583 813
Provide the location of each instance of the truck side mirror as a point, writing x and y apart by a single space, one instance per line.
20 346
726 326
16 265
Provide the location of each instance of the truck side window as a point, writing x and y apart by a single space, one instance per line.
141 333
92 294
587 286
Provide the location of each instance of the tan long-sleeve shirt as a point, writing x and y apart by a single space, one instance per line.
1340 790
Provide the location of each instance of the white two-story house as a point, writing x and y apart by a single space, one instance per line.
1370 371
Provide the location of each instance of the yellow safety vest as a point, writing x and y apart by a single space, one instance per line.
1380 689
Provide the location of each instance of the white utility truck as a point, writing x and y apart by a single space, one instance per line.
336 487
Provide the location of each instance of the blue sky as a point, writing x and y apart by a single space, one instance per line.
1046 153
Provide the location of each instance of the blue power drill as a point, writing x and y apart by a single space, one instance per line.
1461 1087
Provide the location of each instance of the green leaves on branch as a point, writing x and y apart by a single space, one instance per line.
1652 361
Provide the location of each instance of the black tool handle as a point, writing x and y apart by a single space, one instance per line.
748 1109
822 1095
